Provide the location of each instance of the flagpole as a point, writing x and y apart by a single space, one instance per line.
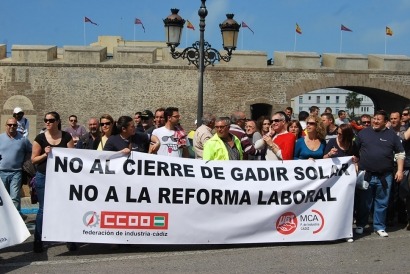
341 39
385 44
294 45
84 33
134 34
186 39
242 39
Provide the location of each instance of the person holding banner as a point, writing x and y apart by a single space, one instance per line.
129 140
223 145
42 147
378 147
312 145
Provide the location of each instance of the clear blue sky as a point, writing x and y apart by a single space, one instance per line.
60 22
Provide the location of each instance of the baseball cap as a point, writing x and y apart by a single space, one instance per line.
17 110
147 114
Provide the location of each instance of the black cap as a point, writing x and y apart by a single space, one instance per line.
147 114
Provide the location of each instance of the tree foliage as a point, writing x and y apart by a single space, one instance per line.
353 102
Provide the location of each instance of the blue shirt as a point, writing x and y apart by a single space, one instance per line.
303 152
13 151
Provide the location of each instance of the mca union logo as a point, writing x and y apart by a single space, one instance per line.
91 219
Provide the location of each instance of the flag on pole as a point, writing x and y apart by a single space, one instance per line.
139 22
189 25
244 25
389 31
344 28
88 20
298 29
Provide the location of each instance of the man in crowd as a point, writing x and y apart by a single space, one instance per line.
159 119
22 122
365 120
280 142
138 122
331 129
203 134
238 120
147 121
405 116
13 150
223 145
314 110
174 140
396 205
75 129
342 118
303 115
379 146
254 135
289 113
91 139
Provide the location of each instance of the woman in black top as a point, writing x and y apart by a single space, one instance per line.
42 146
343 144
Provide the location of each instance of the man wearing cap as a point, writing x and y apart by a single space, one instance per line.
147 121
22 122
13 149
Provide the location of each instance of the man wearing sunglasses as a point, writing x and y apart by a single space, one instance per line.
75 129
13 149
174 141
405 116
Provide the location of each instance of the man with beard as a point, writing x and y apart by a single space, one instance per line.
91 139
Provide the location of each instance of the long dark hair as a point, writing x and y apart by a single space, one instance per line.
347 136
56 116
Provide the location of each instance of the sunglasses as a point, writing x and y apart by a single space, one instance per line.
12 125
405 114
366 122
275 120
311 123
105 124
73 120
173 139
52 120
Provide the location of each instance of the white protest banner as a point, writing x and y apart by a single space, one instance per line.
104 197
13 230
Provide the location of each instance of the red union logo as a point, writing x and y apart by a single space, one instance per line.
134 220
287 223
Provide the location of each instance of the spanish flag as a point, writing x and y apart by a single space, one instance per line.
189 25
298 29
389 32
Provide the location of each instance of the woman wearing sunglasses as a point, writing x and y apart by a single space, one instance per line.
42 146
312 145
108 128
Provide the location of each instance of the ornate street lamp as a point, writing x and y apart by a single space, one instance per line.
201 54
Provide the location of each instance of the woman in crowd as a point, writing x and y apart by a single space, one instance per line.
42 146
263 123
107 129
312 145
343 145
295 127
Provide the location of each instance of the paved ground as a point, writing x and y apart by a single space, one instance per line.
367 254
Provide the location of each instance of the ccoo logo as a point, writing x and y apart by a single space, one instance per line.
91 219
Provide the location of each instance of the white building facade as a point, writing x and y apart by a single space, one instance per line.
334 98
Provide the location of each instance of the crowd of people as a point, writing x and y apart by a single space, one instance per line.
379 147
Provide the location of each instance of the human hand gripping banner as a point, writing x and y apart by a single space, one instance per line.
105 197
13 230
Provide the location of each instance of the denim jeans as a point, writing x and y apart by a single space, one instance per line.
378 195
12 182
40 186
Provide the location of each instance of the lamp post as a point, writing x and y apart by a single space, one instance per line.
201 54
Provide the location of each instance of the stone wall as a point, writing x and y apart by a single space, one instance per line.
122 88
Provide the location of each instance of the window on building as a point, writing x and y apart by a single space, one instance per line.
310 98
317 99
327 99
300 99
337 100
